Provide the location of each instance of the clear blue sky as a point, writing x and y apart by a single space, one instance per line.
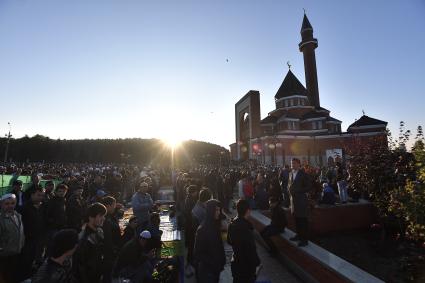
121 68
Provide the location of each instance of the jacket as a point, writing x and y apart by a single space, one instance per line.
52 272
298 189
75 210
278 217
261 197
240 236
130 256
11 234
89 255
33 222
141 203
209 249
112 236
129 234
55 213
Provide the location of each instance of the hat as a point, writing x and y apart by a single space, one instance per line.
101 193
145 234
7 196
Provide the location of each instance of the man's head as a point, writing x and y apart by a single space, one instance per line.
110 203
96 215
295 164
79 191
17 186
61 190
143 187
204 195
144 237
242 207
8 203
192 190
37 195
49 186
64 244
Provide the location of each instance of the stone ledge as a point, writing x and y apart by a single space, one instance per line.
318 264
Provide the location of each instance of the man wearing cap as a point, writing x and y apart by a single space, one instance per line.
133 261
11 238
142 203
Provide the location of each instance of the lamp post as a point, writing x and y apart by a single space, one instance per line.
8 136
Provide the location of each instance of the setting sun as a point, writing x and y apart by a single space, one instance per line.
172 142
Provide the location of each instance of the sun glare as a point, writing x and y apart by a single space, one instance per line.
172 142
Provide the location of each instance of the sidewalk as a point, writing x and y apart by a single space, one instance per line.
273 271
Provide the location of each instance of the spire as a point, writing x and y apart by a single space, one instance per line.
307 45
306 24
290 86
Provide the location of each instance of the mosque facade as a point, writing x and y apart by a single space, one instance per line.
299 126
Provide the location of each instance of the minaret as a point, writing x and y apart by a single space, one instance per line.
307 46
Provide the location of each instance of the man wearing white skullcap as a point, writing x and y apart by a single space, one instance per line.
11 238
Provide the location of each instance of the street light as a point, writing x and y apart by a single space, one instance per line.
8 136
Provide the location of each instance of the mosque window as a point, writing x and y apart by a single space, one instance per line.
292 125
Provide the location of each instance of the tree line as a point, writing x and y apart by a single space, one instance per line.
147 151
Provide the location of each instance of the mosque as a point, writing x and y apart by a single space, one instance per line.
299 126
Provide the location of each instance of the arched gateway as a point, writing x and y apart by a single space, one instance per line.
299 126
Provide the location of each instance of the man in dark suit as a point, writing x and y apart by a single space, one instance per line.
298 185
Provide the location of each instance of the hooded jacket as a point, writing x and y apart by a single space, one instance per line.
209 249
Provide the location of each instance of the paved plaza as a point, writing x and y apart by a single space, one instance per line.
272 271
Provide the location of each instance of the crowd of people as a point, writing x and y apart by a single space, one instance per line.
74 218
46 227
294 187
